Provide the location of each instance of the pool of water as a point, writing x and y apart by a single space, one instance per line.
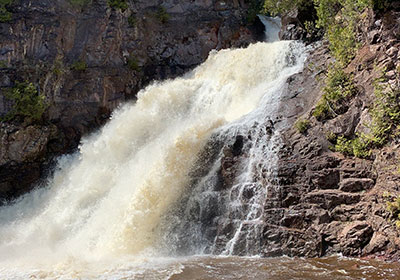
207 268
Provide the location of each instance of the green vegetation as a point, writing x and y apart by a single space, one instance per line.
162 15
385 114
133 64
302 125
393 206
28 103
255 8
337 17
353 147
279 7
118 4
132 21
3 64
79 65
80 3
339 87
58 67
5 13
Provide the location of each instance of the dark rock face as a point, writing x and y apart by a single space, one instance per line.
295 21
47 37
121 52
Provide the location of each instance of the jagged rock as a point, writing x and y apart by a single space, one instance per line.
23 153
373 37
328 199
392 51
354 237
376 244
326 179
356 185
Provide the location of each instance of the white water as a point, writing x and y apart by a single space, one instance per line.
103 210
273 25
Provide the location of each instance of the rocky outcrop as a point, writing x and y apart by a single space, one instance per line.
88 59
326 202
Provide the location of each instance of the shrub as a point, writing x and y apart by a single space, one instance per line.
3 64
80 3
28 103
359 146
393 206
380 5
255 8
132 21
342 42
162 15
118 4
79 66
58 67
5 13
385 114
339 87
274 7
133 64
337 17
302 125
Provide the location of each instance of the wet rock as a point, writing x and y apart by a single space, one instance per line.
24 153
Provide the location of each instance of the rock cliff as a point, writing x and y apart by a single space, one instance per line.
322 201
86 58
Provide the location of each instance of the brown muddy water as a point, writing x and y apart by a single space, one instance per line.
286 268
212 268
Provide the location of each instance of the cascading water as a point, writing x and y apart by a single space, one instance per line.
149 183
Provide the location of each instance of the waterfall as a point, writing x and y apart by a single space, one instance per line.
149 182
